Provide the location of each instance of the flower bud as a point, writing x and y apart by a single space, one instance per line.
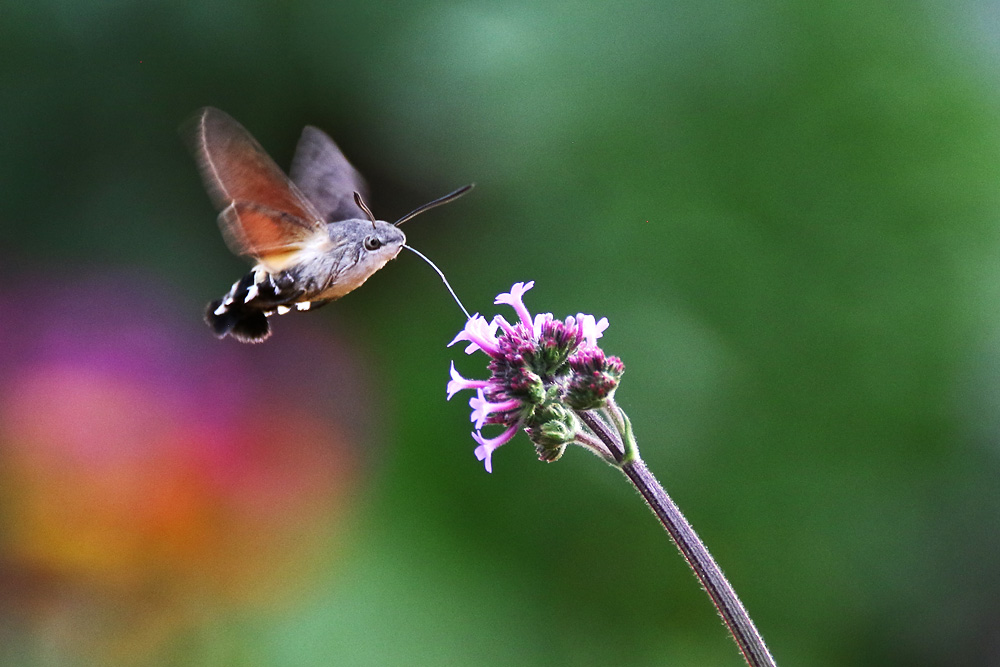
556 341
551 428
593 379
526 385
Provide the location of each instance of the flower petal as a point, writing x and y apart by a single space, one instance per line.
514 299
482 409
459 383
502 322
592 329
484 452
480 334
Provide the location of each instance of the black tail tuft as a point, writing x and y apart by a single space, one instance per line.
245 325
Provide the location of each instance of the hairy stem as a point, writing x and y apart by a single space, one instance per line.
606 433
732 611
620 440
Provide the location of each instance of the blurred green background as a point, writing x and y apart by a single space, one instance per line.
788 211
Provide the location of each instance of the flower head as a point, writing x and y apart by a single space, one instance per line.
541 370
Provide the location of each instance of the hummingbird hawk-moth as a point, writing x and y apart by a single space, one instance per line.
310 234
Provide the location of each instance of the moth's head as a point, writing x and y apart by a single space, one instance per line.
383 240
372 243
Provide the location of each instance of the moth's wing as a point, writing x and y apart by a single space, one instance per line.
271 237
322 172
263 214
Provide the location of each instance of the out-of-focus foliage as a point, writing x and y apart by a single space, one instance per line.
788 210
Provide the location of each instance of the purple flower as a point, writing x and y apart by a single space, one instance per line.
458 383
541 371
480 334
484 452
513 298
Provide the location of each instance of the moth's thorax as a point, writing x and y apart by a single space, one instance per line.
350 252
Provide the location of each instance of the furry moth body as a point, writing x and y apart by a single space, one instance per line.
310 235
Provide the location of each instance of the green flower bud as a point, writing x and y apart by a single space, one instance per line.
551 428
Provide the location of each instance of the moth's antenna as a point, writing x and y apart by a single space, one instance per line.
434 266
437 202
364 207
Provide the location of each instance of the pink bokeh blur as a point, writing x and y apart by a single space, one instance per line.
153 477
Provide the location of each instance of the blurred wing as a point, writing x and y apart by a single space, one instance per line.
262 214
326 177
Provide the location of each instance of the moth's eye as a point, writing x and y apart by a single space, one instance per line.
372 243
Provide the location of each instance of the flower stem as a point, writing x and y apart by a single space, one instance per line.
732 611
605 433
622 444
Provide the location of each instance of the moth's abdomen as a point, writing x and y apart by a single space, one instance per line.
242 313
244 324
